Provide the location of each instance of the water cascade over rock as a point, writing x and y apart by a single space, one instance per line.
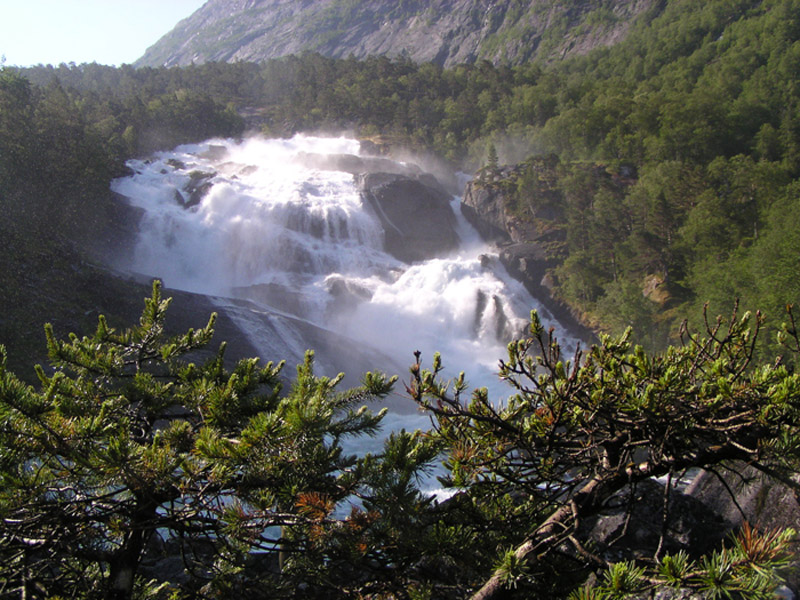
337 249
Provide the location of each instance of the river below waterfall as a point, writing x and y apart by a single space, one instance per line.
257 219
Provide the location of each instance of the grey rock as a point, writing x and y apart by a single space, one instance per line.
114 244
350 163
198 187
699 518
522 247
445 32
485 208
417 219
632 524
761 501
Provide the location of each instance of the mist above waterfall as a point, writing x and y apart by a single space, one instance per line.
282 223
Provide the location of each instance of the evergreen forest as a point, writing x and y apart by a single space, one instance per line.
665 167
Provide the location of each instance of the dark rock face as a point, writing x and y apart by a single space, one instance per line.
699 518
527 262
350 163
248 329
522 247
446 32
199 185
763 502
252 330
632 524
489 203
485 208
760 501
417 219
115 242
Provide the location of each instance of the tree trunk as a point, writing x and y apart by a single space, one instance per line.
586 501
590 499
125 563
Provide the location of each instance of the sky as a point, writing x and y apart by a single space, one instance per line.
109 32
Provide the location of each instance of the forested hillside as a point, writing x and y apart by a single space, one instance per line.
665 171
677 149
59 149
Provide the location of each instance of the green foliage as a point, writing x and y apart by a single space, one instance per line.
124 442
512 569
667 182
745 569
575 433
622 579
675 146
674 569
61 146
15 94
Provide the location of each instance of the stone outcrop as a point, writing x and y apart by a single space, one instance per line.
355 165
114 242
485 208
415 213
631 525
522 243
761 501
701 515
446 32
248 329
198 187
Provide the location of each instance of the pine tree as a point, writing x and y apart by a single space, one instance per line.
576 433
126 442
492 160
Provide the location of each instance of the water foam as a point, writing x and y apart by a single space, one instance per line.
252 219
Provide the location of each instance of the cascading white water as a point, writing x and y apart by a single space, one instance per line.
252 219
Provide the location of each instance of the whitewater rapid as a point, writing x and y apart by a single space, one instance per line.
253 219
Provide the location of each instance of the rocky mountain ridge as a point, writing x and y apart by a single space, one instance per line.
446 32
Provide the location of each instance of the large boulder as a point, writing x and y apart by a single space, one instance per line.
350 163
485 209
633 522
700 516
528 262
493 204
415 212
761 501
488 206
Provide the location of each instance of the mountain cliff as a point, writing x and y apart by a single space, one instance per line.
445 32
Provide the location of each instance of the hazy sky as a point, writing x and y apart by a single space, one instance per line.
109 32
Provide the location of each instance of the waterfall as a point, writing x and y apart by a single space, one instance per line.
260 219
